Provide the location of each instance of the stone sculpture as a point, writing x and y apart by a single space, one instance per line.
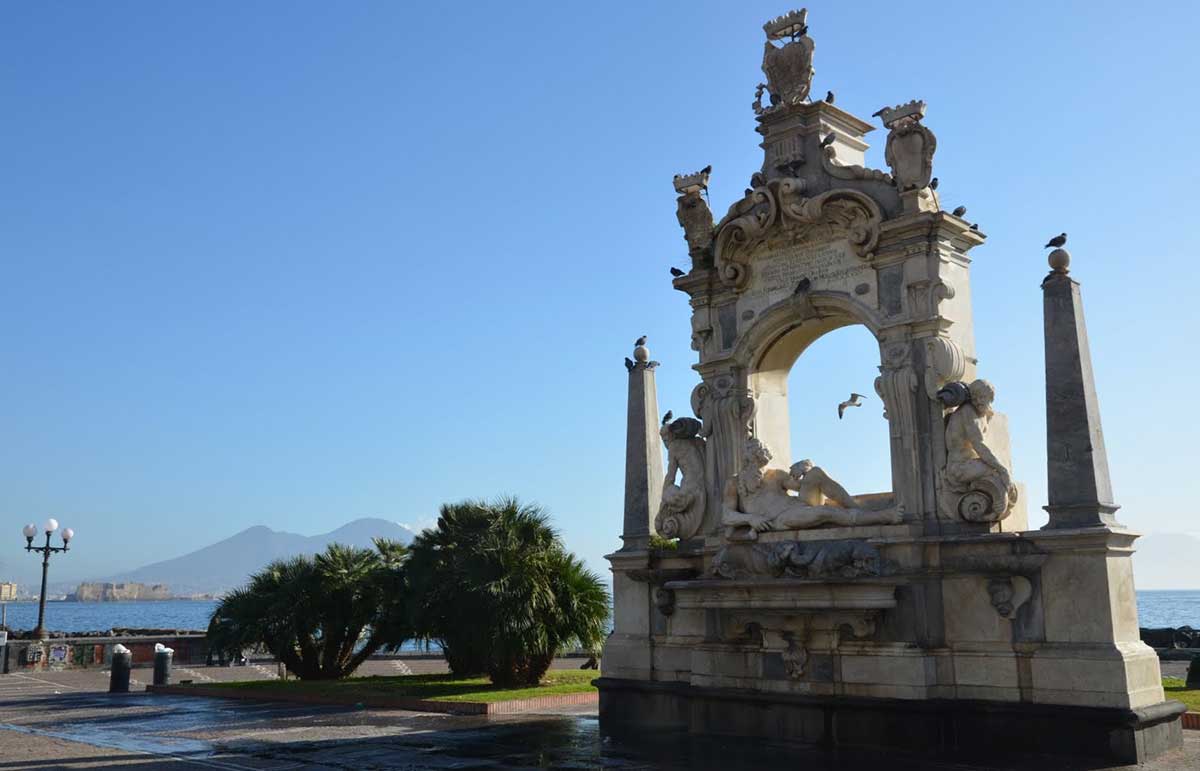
1009 593
788 68
910 146
976 485
693 213
682 509
797 559
758 498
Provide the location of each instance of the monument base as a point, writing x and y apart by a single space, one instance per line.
935 726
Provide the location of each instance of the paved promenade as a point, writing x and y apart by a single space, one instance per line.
66 721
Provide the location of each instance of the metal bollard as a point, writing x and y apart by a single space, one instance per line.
162 664
122 662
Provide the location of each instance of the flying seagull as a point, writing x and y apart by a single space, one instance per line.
853 401
676 272
933 183
828 140
668 417
829 97
960 211
640 341
1056 242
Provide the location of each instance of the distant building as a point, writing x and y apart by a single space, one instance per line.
8 592
109 592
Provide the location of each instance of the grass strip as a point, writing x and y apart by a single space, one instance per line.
1177 689
428 687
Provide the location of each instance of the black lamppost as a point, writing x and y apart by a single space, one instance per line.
30 531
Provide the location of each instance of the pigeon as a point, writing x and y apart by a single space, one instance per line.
828 140
829 97
960 211
629 365
853 401
676 272
668 417
974 226
707 169
1057 242
802 286
640 341
933 183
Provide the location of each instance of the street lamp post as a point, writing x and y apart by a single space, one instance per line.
29 531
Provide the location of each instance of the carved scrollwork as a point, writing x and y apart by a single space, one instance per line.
945 362
776 212
838 170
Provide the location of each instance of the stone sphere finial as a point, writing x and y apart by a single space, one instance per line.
1060 261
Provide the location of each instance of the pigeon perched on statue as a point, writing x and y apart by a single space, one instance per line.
1057 242
960 211
676 272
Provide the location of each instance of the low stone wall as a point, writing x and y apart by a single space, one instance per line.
95 652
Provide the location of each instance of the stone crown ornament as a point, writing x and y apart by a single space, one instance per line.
691 183
914 110
789 25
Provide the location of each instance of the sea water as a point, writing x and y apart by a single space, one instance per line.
1155 609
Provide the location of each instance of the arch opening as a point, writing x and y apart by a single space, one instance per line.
799 381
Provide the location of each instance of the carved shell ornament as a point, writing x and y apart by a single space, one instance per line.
775 212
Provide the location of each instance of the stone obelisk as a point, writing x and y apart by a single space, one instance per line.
643 450
1079 489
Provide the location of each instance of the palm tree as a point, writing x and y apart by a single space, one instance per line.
495 586
321 616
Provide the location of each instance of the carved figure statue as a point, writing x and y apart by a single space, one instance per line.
910 146
758 498
797 559
789 68
976 485
693 213
682 509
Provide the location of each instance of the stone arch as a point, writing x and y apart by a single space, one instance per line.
771 346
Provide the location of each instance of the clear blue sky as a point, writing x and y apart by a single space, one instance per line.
296 263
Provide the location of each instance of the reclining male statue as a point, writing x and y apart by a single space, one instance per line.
757 498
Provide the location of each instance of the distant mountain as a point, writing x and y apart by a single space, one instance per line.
1166 561
226 564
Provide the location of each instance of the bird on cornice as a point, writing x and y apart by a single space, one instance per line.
828 97
629 365
933 183
668 417
828 140
960 211
1057 242
676 272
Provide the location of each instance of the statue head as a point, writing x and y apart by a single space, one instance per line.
982 396
800 468
755 454
680 428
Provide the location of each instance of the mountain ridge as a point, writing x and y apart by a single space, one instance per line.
226 564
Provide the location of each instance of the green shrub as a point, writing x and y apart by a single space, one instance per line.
493 584
321 616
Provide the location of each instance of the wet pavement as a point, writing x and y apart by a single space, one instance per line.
78 729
